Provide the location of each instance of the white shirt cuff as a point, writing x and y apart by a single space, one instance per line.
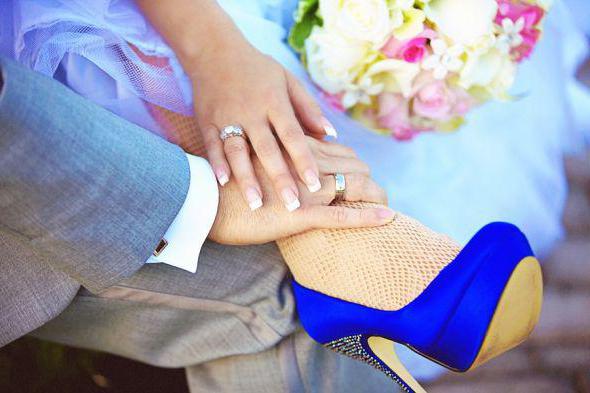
190 228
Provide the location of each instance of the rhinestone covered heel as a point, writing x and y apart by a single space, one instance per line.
378 352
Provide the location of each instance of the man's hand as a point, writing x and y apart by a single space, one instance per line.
236 224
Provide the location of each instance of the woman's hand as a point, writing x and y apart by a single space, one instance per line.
235 84
236 224
239 85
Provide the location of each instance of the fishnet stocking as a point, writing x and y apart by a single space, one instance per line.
384 268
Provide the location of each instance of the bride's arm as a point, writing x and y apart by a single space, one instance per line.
194 29
233 83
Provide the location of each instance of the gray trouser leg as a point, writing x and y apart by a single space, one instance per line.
232 325
296 365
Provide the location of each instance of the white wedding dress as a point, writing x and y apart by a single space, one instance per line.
505 164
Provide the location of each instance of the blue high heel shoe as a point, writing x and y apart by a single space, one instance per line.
484 302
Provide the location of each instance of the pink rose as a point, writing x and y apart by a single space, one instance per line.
514 10
412 50
394 114
530 38
433 99
531 14
333 100
463 102
405 133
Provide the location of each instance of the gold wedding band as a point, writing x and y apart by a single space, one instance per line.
340 186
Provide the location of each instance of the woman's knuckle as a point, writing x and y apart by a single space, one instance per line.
234 149
211 139
216 113
266 148
207 127
302 156
271 98
321 153
291 134
282 179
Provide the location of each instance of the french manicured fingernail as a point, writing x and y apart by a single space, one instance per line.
312 181
329 128
385 215
222 177
254 199
291 201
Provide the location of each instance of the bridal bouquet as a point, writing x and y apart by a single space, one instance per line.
407 66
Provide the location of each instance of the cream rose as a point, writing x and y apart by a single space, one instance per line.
359 20
407 21
333 61
396 76
493 70
464 22
390 75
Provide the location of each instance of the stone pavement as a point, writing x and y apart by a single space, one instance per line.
557 356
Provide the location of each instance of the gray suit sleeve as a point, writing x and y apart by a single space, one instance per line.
92 193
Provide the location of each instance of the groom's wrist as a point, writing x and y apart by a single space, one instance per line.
182 242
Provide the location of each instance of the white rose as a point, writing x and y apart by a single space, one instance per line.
390 75
360 20
396 76
494 71
407 21
463 21
332 61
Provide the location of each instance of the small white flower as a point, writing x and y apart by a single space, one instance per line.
444 59
361 92
509 34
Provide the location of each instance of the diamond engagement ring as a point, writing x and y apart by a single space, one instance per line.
231 131
340 186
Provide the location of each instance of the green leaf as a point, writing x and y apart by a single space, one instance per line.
305 19
305 7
